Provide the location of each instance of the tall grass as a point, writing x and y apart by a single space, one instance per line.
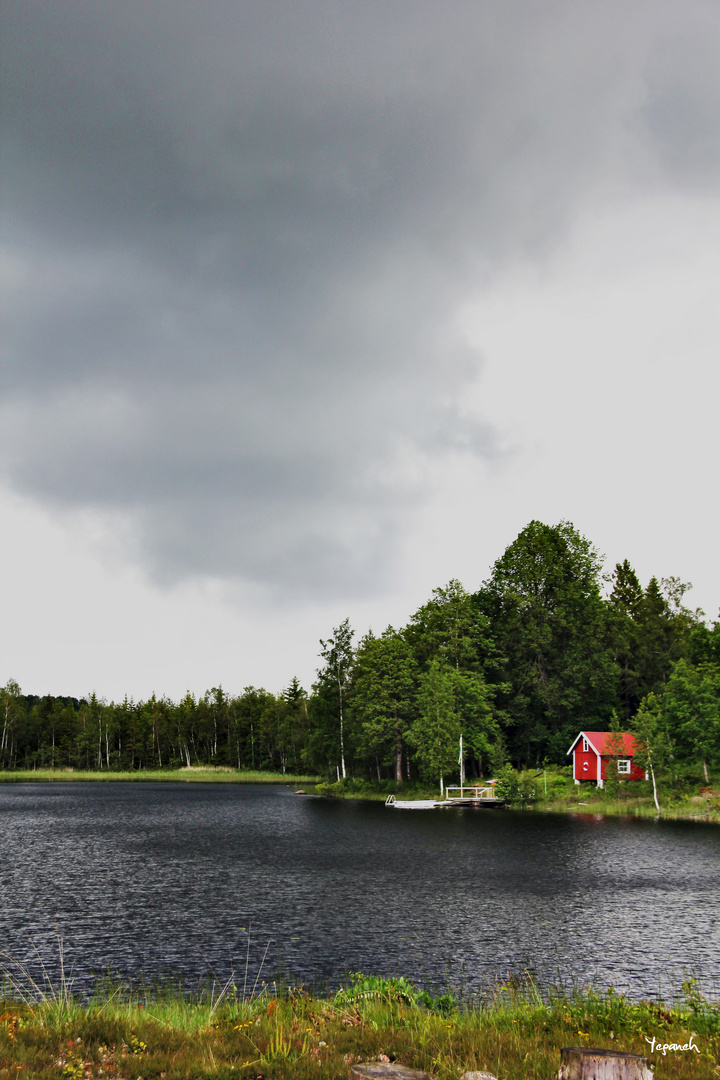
512 1028
194 774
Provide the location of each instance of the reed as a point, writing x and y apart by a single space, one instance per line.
194 774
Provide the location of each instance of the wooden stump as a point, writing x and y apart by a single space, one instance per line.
588 1063
386 1070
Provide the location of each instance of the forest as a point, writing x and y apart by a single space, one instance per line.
548 645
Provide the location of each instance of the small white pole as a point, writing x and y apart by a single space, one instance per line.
462 769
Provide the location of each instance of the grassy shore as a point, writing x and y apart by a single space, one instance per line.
690 799
514 1032
193 774
698 807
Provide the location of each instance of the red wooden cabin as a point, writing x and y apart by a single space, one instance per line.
592 758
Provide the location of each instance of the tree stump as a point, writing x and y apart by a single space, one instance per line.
478 1076
588 1063
386 1070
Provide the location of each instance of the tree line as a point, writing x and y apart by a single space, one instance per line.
547 646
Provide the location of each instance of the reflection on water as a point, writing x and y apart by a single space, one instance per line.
164 879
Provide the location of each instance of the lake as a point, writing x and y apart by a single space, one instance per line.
164 879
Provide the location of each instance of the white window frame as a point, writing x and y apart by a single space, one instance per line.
624 766
586 746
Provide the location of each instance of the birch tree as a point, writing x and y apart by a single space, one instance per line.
334 680
10 710
654 746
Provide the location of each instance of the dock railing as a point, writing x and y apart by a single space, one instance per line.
467 792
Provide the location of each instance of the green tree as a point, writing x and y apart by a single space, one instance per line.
450 628
650 630
691 707
331 691
624 613
435 732
250 711
477 719
704 644
10 712
654 745
549 622
664 627
383 694
295 721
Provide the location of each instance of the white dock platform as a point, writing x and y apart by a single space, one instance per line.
410 804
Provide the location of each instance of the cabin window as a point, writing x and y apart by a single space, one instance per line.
585 746
624 765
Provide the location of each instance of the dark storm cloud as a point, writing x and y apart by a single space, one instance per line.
236 235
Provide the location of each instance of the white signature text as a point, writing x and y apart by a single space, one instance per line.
662 1048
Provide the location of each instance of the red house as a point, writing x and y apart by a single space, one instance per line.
592 757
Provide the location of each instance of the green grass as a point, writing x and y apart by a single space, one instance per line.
687 800
374 790
513 1030
698 808
195 774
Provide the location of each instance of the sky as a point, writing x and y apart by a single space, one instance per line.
309 308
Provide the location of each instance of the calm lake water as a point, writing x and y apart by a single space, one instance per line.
167 879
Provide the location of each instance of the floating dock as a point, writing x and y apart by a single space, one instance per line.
467 796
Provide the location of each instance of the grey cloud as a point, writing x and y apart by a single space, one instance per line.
683 109
236 236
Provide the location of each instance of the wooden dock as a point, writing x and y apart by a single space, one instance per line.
467 796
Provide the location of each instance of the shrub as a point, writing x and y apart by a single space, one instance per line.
516 789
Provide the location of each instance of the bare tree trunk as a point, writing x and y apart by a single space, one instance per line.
707 778
398 762
652 773
342 736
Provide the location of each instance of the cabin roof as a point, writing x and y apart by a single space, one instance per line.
599 740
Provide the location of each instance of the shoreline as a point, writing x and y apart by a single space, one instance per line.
699 809
705 810
194 774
